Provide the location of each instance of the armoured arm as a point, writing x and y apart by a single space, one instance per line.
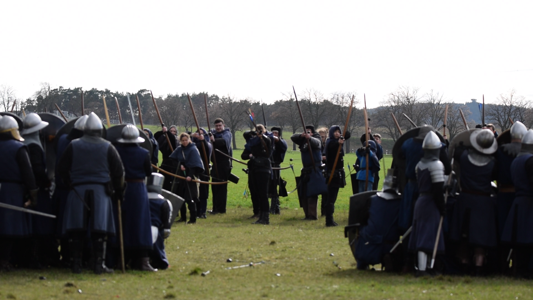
436 169
245 154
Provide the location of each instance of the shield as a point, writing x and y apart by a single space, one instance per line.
17 118
176 201
461 139
504 137
48 135
358 216
398 162
115 132
68 127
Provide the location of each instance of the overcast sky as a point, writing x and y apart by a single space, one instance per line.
259 49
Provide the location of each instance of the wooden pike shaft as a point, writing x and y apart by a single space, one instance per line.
198 129
161 121
83 104
367 137
483 112
209 128
140 113
396 122
303 125
445 121
106 113
464 119
121 235
118 110
13 107
341 145
59 110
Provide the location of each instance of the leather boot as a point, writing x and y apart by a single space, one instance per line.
274 206
99 261
192 219
264 218
145 265
329 216
76 247
311 212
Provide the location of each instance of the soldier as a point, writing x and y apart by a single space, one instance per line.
474 220
323 132
258 151
93 169
16 183
517 231
279 148
190 166
161 213
430 204
312 183
167 164
135 207
155 146
379 154
201 139
373 166
339 177
44 246
221 138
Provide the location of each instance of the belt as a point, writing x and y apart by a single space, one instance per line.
506 188
134 180
476 193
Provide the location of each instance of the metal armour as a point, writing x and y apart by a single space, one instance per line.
518 130
93 125
483 141
527 142
390 185
33 123
435 167
423 131
130 135
80 123
155 183
9 126
431 141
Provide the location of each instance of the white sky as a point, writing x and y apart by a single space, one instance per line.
259 49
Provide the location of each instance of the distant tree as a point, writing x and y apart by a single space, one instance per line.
233 114
510 108
7 97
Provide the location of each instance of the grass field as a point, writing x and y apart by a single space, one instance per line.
302 260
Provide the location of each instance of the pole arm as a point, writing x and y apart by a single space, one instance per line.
464 119
303 125
59 110
341 145
118 110
209 128
140 113
198 129
161 121
396 123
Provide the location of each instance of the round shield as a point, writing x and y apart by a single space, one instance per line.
48 135
17 118
68 127
114 133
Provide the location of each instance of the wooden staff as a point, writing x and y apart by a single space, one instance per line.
140 113
161 121
83 104
396 122
483 112
267 150
184 178
511 120
121 235
106 113
340 145
464 120
198 129
118 110
444 121
410 121
209 128
264 119
305 131
59 110
13 107
367 137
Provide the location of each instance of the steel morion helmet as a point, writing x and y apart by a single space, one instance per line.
9 126
130 135
518 130
33 123
80 122
527 142
483 141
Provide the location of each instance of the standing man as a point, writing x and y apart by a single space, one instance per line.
379 154
279 148
93 169
167 164
201 140
221 139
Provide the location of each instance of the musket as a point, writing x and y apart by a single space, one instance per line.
446 194
304 129
396 122
83 105
483 112
340 145
161 121
401 239
30 211
118 110
209 128
184 178
140 113
444 121
59 110
13 107
367 145
131 110
199 132
264 119
464 120
106 113
410 121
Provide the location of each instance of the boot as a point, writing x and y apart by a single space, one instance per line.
76 247
99 259
264 218
312 213
183 213
329 216
276 208
192 219
145 265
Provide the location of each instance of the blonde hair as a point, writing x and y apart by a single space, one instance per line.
184 134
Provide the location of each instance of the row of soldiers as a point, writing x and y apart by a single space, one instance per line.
462 207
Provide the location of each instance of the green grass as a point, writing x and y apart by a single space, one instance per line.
313 262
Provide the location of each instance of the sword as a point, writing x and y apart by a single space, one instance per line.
13 207
401 239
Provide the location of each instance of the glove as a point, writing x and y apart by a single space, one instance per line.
166 233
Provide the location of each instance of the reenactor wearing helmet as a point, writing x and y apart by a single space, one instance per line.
135 207
517 231
17 187
92 168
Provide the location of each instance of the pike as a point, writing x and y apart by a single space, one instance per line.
209 128
193 180
264 119
198 129
30 211
483 112
367 144
396 122
511 120
13 107
140 113
118 110
410 121
161 121
340 145
464 120
106 112
444 121
59 110
242 162
131 110
82 104
303 125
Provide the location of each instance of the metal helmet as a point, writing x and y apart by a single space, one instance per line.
155 183
527 142
93 125
130 135
80 122
518 130
431 141
483 141
33 123
9 126
423 131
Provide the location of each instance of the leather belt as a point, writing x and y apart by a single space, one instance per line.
476 193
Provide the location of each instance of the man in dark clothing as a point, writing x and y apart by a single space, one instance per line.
201 140
279 147
167 164
221 138
92 167
155 146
